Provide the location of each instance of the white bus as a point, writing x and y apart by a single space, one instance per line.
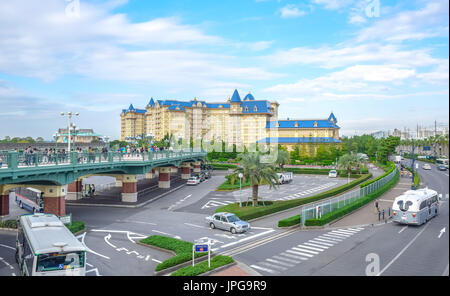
32 202
415 206
45 247
442 161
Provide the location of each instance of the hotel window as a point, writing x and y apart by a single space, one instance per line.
246 109
296 124
255 109
315 123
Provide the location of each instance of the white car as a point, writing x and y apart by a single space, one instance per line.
332 174
426 166
227 221
193 181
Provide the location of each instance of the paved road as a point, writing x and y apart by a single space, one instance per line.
401 250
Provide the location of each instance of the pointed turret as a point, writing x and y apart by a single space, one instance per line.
151 103
235 98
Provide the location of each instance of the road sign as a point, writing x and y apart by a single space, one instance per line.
66 219
201 248
426 148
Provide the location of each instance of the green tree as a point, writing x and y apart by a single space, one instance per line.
283 158
256 172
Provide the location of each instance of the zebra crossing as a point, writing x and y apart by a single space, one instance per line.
303 252
309 191
216 203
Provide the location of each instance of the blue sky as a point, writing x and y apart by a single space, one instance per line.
375 69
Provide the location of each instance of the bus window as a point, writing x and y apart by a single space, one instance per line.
28 257
423 205
60 261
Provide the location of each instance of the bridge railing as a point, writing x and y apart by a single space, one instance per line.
17 160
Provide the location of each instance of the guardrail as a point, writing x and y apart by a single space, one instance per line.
16 160
312 211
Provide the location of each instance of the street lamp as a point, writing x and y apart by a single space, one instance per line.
56 137
240 189
69 117
107 141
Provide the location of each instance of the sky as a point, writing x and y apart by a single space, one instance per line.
376 64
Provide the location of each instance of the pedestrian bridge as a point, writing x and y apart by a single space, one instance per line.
60 175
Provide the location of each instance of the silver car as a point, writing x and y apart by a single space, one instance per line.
227 221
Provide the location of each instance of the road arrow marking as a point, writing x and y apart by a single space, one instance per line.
107 238
442 232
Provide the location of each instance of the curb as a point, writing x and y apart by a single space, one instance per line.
126 206
8 229
218 269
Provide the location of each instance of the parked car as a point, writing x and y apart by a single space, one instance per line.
202 176
193 180
426 166
333 174
227 221
441 167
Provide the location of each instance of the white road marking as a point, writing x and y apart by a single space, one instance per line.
403 250
264 269
94 270
89 250
314 241
316 246
401 230
148 257
326 240
346 231
333 237
5 246
292 256
305 250
107 238
339 234
157 261
122 249
273 265
137 222
301 254
193 225
280 262
286 259
250 237
441 232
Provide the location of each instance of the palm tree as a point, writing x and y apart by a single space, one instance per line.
348 162
283 158
256 172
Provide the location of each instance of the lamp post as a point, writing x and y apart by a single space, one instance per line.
107 142
56 137
69 117
74 127
412 163
240 189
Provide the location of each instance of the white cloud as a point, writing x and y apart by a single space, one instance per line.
333 4
291 11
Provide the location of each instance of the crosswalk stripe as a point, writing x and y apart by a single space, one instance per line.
293 256
333 237
315 245
280 262
326 240
347 231
340 233
356 229
264 269
310 248
303 250
287 259
316 242
273 266
298 253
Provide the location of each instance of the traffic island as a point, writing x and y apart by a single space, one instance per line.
218 263
76 227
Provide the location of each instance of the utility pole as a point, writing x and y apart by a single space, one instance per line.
412 162
435 133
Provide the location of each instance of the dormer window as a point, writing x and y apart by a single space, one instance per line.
220 106
278 124
255 109
296 124
246 109
315 123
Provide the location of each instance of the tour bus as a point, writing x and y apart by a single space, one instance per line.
45 247
32 203
415 206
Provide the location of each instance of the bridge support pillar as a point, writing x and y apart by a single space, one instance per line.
55 200
164 177
174 170
185 171
150 175
129 188
74 190
197 166
4 205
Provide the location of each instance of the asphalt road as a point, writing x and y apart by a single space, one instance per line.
386 250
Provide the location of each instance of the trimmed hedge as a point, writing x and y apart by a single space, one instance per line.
8 224
183 250
327 218
76 226
223 166
416 178
250 212
202 267
390 170
291 221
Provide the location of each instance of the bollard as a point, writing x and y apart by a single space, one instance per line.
389 211
383 214
379 215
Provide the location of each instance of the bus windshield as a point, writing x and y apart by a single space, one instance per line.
59 261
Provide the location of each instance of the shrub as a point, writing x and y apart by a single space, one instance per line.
202 267
327 218
76 226
295 220
223 166
391 169
8 224
182 249
250 212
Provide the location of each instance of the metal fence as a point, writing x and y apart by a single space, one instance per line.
321 208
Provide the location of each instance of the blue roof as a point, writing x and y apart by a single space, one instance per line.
249 97
216 105
301 124
235 98
332 118
176 107
293 140
131 108
262 107
151 103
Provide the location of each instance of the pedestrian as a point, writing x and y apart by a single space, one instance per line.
376 207
93 190
1 161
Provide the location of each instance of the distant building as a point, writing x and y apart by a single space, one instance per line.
236 121
81 136
380 134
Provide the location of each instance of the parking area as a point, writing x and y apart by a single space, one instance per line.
302 186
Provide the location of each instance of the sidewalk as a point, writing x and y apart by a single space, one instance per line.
240 269
367 215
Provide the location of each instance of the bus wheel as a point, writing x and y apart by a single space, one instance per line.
20 205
